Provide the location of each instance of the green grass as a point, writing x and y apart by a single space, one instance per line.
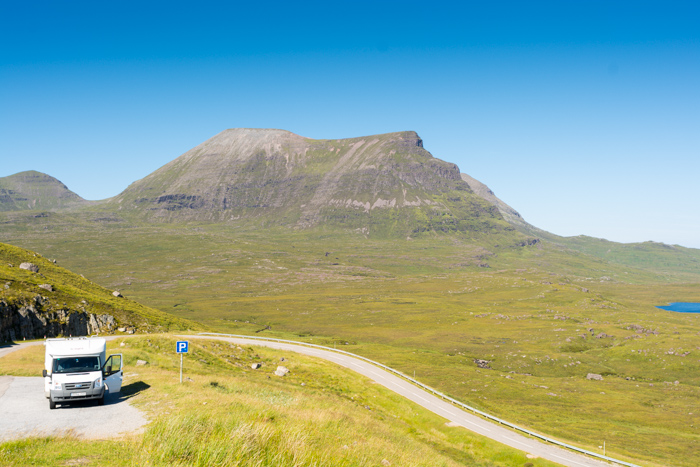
429 305
228 414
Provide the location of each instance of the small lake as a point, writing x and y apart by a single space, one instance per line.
682 307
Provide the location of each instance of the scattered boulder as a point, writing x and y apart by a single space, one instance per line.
140 362
29 267
482 363
281 371
121 329
48 287
386 463
100 323
117 294
594 376
255 366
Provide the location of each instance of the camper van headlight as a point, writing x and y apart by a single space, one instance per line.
97 384
56 386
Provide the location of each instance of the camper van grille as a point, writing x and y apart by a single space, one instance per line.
78 386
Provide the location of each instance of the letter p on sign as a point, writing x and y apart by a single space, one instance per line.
182 346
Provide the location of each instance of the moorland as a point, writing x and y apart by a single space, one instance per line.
429 293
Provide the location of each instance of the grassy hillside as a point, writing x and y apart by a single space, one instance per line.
543 315
228 414
666 259
74 292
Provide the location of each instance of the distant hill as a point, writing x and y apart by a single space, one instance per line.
33 190
381 184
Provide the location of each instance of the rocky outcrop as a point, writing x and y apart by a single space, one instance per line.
30 322
29 267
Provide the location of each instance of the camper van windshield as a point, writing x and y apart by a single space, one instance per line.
75 364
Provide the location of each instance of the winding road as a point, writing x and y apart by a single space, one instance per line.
429 401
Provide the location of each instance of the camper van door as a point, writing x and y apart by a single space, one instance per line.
112 373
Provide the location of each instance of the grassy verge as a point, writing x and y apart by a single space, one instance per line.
226 413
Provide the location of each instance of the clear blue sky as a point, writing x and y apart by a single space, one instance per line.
583 116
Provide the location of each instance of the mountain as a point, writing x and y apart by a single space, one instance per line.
381 184
33 190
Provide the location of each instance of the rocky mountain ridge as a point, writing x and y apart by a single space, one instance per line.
387 183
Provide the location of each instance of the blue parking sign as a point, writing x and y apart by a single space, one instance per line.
182 346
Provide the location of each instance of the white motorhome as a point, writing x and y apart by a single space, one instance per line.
76 369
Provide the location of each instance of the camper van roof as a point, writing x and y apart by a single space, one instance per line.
76 346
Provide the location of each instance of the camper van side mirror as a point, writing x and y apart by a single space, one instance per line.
44 373
108 370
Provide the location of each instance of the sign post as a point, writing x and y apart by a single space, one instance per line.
181 347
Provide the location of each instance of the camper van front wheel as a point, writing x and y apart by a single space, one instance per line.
101 400
52 404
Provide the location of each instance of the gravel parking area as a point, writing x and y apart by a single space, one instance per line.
25 412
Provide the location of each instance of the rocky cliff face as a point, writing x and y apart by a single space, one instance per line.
29 321
383 182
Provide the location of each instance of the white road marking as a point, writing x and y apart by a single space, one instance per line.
568 460
519 442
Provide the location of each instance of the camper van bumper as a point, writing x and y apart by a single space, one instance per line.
76 392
